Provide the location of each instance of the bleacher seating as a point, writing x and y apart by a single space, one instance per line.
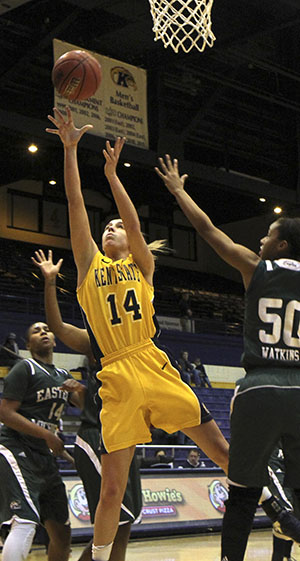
217 401
216 302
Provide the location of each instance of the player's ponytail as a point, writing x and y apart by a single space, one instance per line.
159 247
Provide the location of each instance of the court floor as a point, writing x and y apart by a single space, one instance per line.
194 548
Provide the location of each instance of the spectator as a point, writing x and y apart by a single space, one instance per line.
192 460
204 380
185 313
159 460
188 373
162 460
161 437
9 351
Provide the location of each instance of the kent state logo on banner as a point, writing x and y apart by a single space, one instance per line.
121 76
78 502
218 494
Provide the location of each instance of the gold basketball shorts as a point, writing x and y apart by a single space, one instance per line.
141 388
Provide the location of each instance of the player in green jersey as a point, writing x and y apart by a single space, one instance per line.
35 393
86 452
266 405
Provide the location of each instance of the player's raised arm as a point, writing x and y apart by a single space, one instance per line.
83 245
72 336
138 247
234 254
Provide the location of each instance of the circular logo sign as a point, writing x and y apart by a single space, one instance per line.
78 502
218 494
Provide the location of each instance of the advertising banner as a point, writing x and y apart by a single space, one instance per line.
119 106
166 498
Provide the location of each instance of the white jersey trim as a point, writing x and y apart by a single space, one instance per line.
11 460
89 452
28 360
33 363
279 488
264 386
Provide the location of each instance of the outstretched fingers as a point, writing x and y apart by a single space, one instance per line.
59 116
169 162
86 128
69 115
112 153
119 145
184 178
163 165
161 175
39 257
169 173
46 263
59 120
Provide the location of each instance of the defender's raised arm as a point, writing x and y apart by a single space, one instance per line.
234 254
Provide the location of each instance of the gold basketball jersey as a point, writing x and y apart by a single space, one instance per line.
117 303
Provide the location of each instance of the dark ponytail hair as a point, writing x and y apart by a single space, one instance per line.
289 230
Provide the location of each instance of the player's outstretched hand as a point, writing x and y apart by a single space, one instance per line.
112 154
169 173
65 127
46 265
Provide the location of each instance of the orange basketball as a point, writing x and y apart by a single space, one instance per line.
76 75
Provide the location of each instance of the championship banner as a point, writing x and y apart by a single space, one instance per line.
119 106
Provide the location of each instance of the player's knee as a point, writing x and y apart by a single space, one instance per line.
111 491
18 543
248 496
65 535
61 536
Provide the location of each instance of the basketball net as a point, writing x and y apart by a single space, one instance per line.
183 23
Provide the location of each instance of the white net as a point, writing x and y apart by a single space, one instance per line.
183 23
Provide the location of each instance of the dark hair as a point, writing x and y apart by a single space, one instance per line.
289 230
27 333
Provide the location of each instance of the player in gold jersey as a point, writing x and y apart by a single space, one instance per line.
140 387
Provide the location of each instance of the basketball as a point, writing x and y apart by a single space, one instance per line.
76 75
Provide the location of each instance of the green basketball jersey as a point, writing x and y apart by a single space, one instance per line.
37 386
272 316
